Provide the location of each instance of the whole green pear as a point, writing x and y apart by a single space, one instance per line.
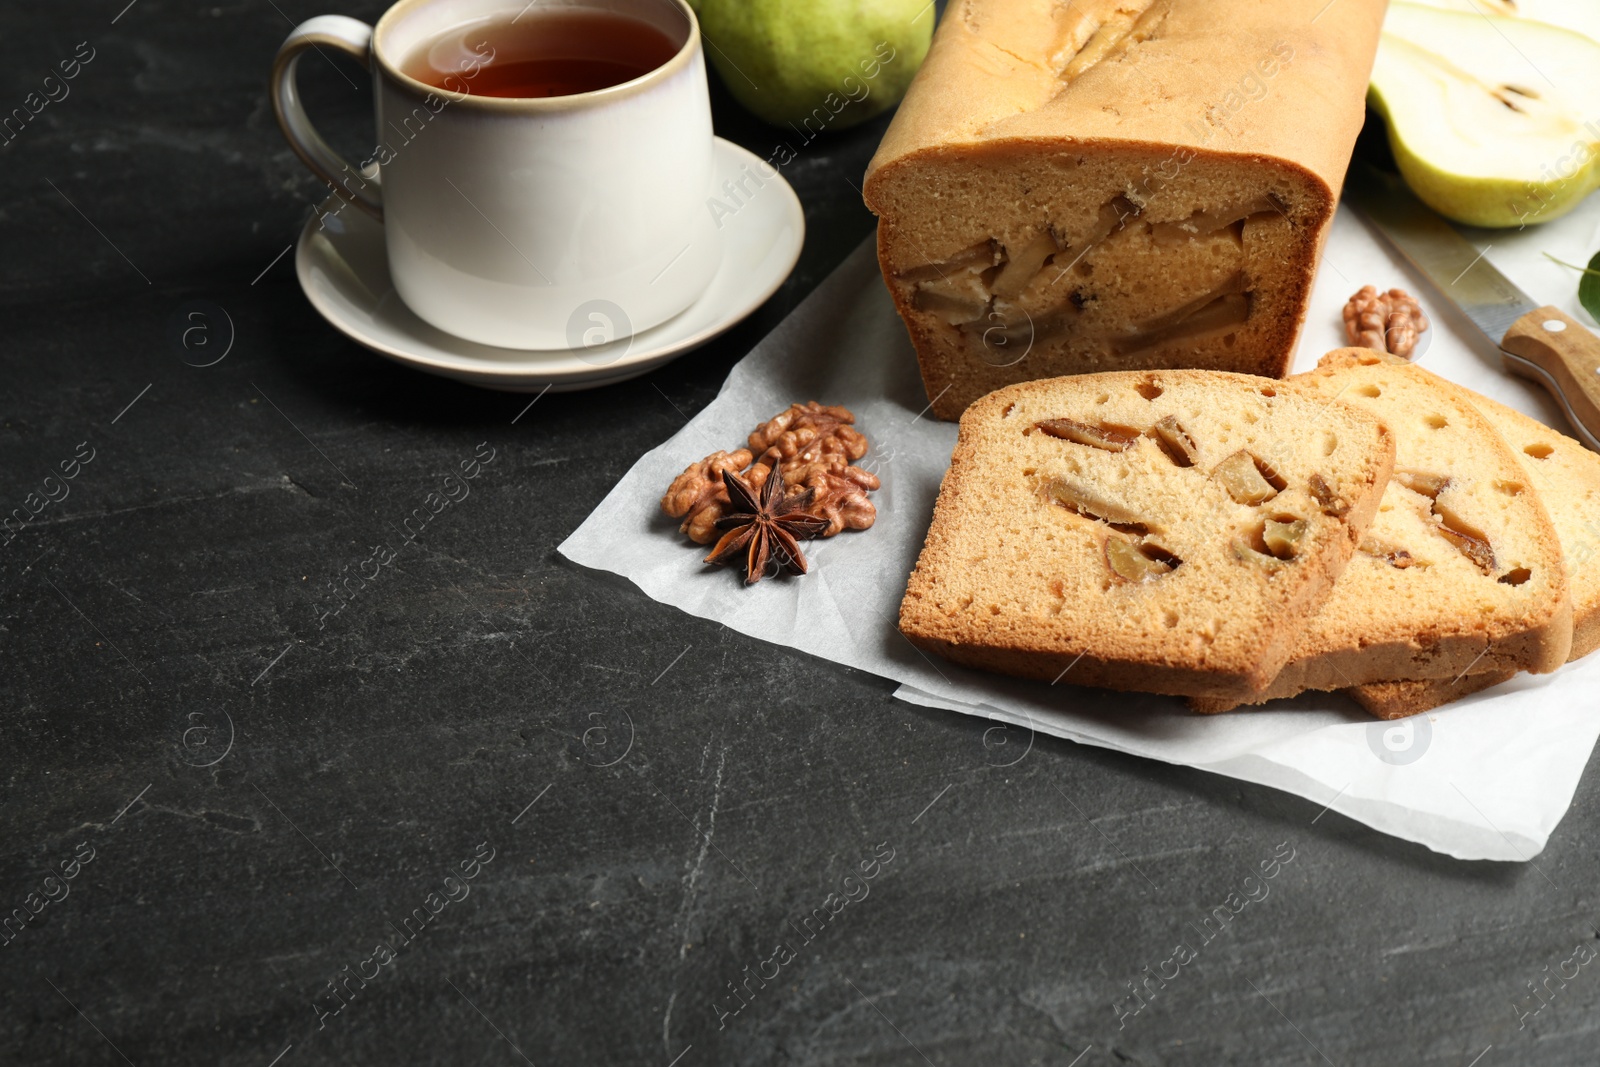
834 62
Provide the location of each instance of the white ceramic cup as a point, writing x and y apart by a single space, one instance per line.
535 223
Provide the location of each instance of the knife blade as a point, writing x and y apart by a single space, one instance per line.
1541 343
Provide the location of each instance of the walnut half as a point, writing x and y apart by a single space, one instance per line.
839 494
1385 322
809 432
698 497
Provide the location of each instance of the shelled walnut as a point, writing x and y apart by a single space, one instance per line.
840 495
1385 322
698 497
814 445
809 432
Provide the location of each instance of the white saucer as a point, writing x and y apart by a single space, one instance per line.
344 271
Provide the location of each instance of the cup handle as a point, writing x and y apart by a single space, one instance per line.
354 38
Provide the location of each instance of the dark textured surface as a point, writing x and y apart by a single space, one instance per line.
695 795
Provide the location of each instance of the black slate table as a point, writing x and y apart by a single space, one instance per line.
232 837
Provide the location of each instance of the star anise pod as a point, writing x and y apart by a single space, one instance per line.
767 528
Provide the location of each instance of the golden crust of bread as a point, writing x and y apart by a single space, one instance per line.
991 75
1396 700
1019 572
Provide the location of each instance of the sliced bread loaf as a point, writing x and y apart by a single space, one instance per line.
1164 531
1461 571
1566 477
1116 184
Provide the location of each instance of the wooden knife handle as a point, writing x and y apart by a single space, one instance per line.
1560 345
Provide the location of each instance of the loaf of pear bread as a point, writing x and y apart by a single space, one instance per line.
1116 184
1566 477
1165 531
1462 570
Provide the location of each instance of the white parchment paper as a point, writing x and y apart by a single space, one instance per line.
1486 778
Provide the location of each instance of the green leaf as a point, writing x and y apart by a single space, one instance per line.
1588 285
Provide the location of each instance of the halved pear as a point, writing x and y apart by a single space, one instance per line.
1580 15
1493 121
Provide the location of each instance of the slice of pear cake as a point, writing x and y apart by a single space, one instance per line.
1167 531
1566 478
1461 572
